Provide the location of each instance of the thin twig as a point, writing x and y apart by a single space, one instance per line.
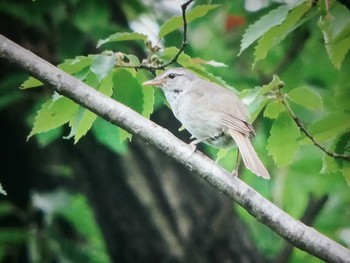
184 39
302 127
181 49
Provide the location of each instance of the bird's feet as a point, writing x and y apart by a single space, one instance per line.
234 173
193 145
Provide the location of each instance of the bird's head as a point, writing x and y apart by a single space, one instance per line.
175 80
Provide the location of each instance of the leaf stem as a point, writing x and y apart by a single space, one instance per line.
302 127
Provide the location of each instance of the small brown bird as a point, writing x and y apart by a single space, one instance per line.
211 113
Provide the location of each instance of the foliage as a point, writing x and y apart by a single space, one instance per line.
314 86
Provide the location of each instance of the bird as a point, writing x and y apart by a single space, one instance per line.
211 113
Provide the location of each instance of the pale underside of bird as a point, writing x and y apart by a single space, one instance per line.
211 113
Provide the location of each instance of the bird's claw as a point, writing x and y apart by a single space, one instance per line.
193 146
235 173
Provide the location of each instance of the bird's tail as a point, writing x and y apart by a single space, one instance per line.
249 156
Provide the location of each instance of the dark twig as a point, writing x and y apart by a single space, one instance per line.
312 210
184 39
302 127
181 49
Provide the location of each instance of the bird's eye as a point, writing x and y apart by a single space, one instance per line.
171 76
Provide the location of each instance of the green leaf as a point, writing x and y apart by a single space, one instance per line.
176 22
274 84
84 119
306 97
129 92
283 142
255 102
278 33
336 33
103 64
72 66
126 36
148 95
265 23
81 124
31 83
341 98
329 165
273 109
106 86
54 113
337 51
346 173
109 135
331 126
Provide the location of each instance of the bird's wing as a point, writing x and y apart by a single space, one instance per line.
232 112
232 122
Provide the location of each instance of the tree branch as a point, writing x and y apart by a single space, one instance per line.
301 236
313 208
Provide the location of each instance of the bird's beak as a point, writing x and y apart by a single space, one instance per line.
154 82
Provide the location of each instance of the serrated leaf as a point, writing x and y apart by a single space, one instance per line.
85 124
106 86
283 144
103 64
337 51
273 109
53 114
72 66
148 96
109 135
31 83
176 22
126 36
129 92
306 97
84 119
276 34
265 23
331 126
81 124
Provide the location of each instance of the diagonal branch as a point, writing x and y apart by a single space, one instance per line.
301 236
312 210
302 127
